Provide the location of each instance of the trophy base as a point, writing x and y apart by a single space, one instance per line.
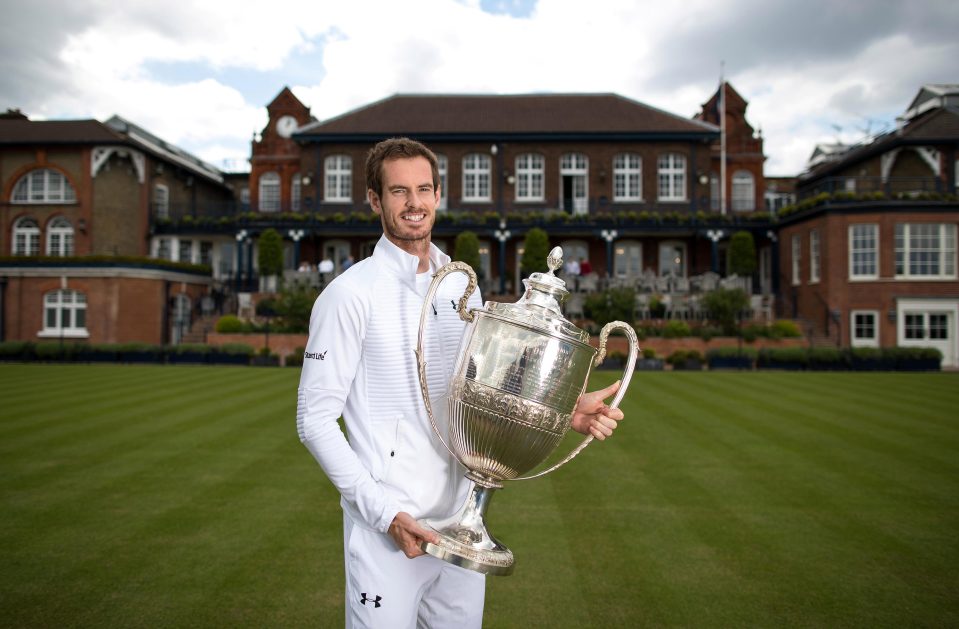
464 540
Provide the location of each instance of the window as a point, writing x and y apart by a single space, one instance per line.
270 192
714 192
339 178
206 253
245 199
529 177
43 186
915 326
161 201
744 191
628 258
627 177
672 177
863 252
573 171
26 237
64 314
865 331
185 251
814 256
796 258
60 237
295 192
476 177
926 250
672 258
442 165
164 251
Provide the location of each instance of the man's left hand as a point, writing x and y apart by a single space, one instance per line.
592 415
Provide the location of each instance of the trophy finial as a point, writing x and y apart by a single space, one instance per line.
555 259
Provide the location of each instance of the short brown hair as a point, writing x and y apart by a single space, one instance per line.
396 148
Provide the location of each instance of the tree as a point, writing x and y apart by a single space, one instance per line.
270 253
535 250
742 254
466 250
724 306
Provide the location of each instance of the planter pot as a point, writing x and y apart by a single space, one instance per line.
230 359
140 357
688 365
731 362
649 364
266 361
188 358
95 356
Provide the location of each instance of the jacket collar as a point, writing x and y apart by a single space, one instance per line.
404 264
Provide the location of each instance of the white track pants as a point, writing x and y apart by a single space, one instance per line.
385 589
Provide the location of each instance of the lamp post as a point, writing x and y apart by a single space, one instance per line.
715 235
240 237
609 235
296 235
502 235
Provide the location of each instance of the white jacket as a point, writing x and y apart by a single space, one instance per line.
360 364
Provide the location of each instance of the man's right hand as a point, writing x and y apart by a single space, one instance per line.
407 534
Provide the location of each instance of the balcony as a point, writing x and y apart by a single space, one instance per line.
878 188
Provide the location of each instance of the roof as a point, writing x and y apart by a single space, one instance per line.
546 116
163 149
931 96
23 131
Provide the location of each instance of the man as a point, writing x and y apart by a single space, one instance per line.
359 363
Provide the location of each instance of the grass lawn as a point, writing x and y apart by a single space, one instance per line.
161 496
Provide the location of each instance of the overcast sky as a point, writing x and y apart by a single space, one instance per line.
199 74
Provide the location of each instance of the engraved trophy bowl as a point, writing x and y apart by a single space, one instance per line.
519 373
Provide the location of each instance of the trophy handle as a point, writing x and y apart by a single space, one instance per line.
465 315
627 376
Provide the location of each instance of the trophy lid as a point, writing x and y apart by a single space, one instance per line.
539 307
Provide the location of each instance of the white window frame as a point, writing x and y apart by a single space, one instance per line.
43 185
627 177
269 192
862 341
161 201
60 237
296 192
164 249
184 250
744 191
855 251
796 253
575 165
942 245
815 262
443 167
671 174
684 256
476 178
530 177
338 175
26 237
68 309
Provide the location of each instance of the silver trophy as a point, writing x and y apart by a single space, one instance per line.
518 376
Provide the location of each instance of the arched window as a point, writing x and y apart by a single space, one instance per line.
295 192
270 192
339 178
43 185
672 177
60 237
65 314
442 164
627 177
529 177
476 177
26 237
744 191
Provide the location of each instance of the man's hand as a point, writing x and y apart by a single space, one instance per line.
593 416
407 534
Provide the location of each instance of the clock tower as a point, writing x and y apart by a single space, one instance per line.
277 183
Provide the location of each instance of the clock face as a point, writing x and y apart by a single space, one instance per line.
286 125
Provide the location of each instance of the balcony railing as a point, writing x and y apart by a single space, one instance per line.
888 187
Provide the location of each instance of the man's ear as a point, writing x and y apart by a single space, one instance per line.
374 200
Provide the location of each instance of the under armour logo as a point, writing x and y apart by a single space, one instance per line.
315 355
375 600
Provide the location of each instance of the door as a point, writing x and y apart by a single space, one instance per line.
927 323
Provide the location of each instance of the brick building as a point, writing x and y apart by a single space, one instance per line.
868 256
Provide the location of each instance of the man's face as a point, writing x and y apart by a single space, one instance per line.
408 205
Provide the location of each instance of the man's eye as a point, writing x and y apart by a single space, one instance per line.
426 189
398 192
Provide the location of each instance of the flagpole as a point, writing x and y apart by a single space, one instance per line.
722 139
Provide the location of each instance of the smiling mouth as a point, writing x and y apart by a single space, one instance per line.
414 218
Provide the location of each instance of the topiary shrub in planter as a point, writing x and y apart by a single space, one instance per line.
648 361
784 329
676 329
826 359
266 358
869 359
794 358
16 351
731 357
229 324
139 353
188 354
914 358
232 354
295 359
52 351
687 360
100 353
